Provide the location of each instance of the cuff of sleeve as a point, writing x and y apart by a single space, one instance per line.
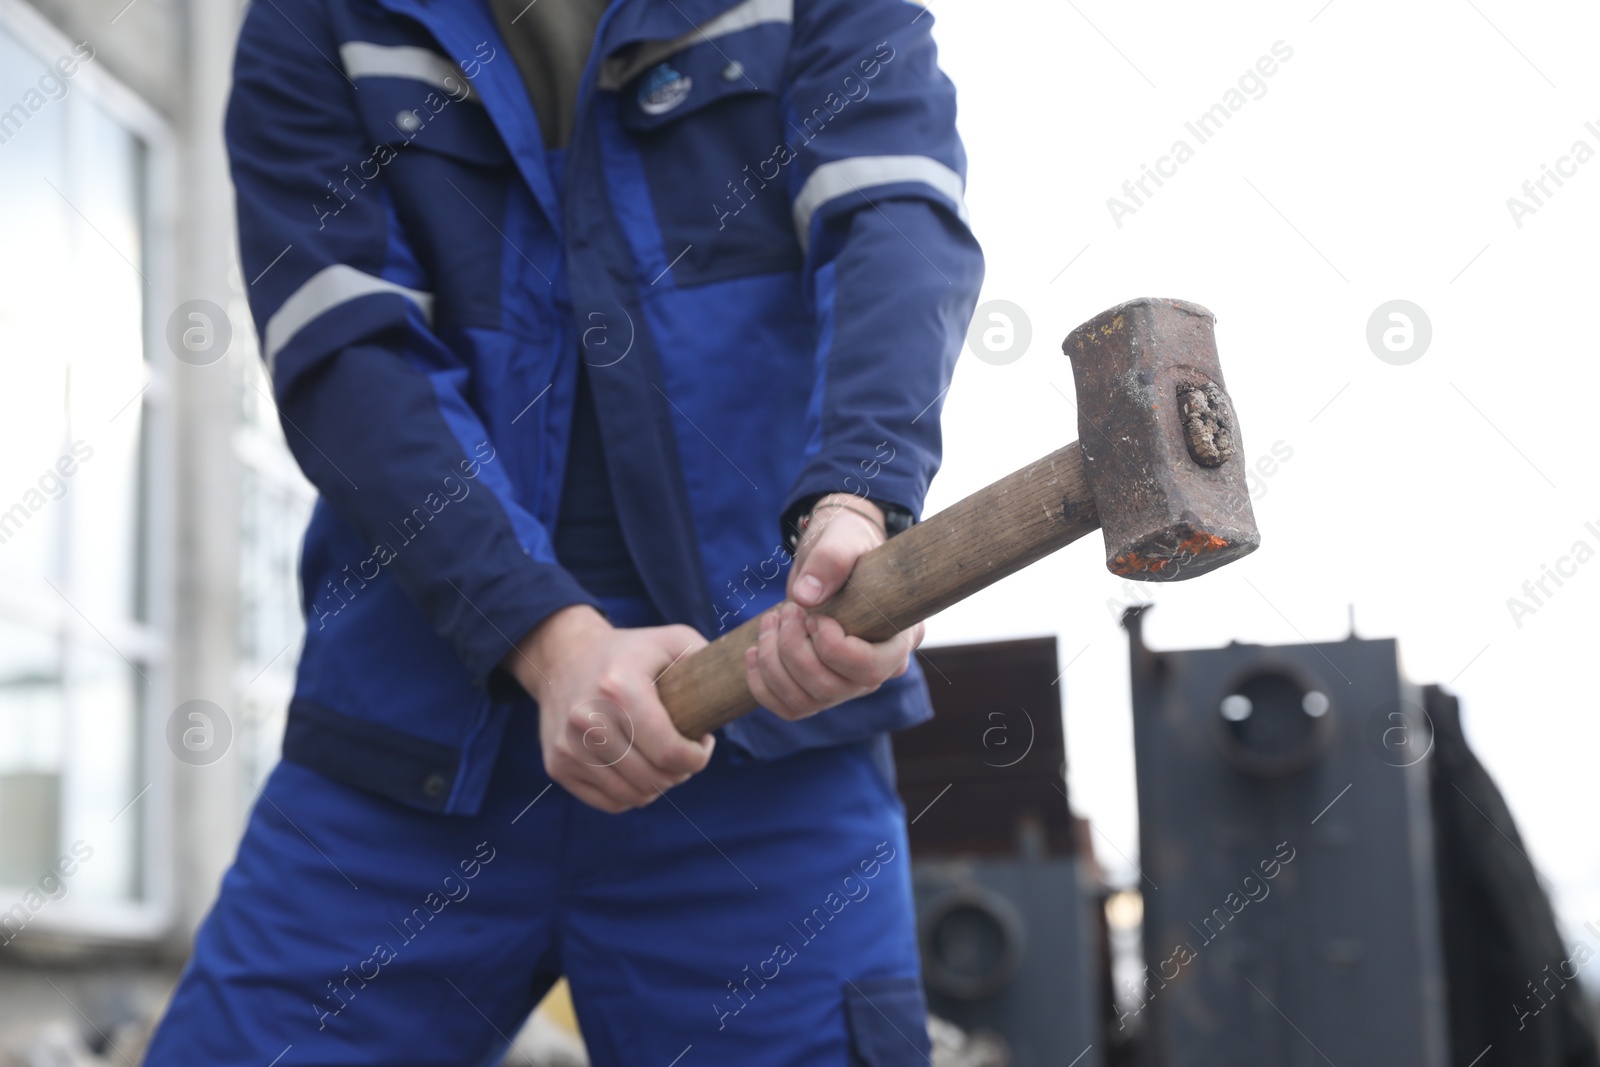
897 516
516 604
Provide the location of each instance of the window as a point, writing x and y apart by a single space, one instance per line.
84 634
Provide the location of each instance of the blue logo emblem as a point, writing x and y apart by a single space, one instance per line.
663 89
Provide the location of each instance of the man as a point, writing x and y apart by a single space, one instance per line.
587 321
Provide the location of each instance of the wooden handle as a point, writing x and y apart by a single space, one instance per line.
968 546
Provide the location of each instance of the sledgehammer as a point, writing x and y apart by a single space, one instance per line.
1157 467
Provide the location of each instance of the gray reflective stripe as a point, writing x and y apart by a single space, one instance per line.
615 73
324 291
860 172
362 59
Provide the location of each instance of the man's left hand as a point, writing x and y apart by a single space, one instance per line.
803 663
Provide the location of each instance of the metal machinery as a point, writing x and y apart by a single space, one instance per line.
1286 842
1006 899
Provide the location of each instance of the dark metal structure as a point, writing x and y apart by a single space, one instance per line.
1286 846
1005 906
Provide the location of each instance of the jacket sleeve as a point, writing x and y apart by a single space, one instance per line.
372 403
876 183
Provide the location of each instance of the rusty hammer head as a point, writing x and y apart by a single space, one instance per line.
1161 445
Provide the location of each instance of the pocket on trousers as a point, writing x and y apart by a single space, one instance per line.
888 1022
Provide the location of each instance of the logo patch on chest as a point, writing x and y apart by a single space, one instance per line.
663 89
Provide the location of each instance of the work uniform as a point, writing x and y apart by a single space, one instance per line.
525 374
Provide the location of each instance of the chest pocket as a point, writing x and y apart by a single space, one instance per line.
707 124
448 172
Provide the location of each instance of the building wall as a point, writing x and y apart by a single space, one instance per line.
146 45
223 537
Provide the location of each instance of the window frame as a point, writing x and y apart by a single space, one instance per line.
149 918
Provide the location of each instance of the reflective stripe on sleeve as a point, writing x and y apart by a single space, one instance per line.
863 172
324 291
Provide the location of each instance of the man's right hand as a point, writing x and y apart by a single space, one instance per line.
606 737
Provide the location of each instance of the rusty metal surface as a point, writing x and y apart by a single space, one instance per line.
1161 443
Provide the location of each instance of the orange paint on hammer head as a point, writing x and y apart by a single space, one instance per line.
1196 544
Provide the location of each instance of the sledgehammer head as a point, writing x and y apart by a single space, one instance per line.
1161 444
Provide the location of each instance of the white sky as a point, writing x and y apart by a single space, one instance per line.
1424 494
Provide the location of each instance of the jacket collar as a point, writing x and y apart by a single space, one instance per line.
658 20
460 26
630 21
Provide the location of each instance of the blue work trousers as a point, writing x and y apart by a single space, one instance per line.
759 915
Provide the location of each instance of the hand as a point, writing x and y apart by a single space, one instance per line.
803 663
607 739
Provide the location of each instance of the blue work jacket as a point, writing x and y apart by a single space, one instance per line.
756 241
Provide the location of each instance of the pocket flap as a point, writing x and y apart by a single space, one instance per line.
888 1022
704 72
403 112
